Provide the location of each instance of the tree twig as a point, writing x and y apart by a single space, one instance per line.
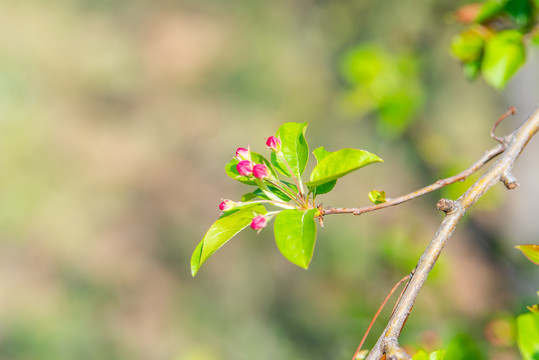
455 210
487 156
378 313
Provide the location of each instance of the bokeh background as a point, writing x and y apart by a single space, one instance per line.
116 120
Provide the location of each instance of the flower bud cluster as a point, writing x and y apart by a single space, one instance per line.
247 167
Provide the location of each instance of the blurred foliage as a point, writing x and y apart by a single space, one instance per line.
116 118
383 83
495 44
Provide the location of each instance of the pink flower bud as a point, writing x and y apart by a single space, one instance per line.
261 171
243 154
273 143
226 205
259 222
245 167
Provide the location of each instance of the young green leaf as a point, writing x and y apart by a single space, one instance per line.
420 355
377 197
528 336
230 168
504 54
294 149
295 235
521 11
468 45
535 37
531 251
221 231
320 153
489 10
340 163
472 69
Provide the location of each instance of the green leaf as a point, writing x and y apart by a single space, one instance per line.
528 336
420 355
377 197
504 54
472 69
340 163
294 149
230 168
521 11
280 194
295 235
221 231
437 355
468 45
531 251
320 153
535 37
489 10
248 196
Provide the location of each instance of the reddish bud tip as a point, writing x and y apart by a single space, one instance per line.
243 154
245 167
273 143
226 205
259 222
261 171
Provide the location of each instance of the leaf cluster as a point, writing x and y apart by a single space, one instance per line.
494 44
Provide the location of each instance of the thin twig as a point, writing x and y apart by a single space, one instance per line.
378 313
510 111
489 155
516 142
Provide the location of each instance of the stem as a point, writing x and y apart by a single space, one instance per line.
287 191
298 182
378 313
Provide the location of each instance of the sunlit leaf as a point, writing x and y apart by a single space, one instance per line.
468 45
489 10
504 54
320 153
294 149
472 69
535 38
462 347
531 251
420 355
221 231
528 336
340 163
377 197
295 235
437 355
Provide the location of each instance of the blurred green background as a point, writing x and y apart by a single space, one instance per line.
116 120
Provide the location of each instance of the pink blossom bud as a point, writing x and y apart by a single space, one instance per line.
245 167
273 143
226 205
243 154
261 171
259 222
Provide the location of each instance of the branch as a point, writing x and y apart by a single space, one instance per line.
489 155
455 210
